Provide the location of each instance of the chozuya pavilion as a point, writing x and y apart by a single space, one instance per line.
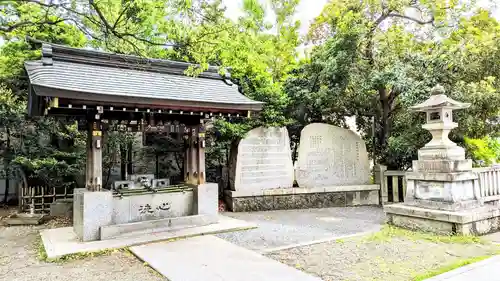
100 89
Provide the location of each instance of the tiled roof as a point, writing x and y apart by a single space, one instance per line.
109 75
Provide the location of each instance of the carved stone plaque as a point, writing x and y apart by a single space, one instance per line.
263 161
330 156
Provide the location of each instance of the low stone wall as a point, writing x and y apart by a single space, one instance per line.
302 198
102 215
478 221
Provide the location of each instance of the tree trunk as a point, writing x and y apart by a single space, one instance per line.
129 159
384 122
6 163
123 162
157 166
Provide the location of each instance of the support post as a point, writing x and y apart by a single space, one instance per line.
379 178
187 156
94 155
201 154
88 165
193 163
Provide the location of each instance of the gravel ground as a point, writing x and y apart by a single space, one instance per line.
360 259
288 227
19 262
494 237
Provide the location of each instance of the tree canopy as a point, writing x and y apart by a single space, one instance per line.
374 59
371 59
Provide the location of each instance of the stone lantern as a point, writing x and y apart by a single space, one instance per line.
441 178
439 111
440 191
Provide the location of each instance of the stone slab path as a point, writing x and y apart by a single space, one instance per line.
486 270
283 229
210 258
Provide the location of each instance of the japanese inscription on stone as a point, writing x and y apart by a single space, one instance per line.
330 156
263 161
148 210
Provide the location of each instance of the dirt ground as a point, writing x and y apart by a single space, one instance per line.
390 255
19 260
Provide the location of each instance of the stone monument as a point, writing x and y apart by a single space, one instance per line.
334 171
331 156
263 161
440 193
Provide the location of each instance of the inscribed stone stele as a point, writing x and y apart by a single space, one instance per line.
331 156
263 160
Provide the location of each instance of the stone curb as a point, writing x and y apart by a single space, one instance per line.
450 275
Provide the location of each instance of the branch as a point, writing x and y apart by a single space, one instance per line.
100 15
118 19
422 22
369 45
28 23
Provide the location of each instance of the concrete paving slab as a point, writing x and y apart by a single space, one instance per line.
486 270
63 241
209 258
283 229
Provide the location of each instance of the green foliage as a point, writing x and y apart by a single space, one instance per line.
372 60
259 52
485 151
389 232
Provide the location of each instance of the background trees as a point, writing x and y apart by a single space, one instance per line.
376 58
369 59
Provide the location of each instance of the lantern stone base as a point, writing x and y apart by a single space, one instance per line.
441 191
478 221
443 151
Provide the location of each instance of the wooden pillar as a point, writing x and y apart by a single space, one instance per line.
93 174
201 154
187 155
88 165
193 162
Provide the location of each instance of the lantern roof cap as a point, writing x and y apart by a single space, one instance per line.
437 100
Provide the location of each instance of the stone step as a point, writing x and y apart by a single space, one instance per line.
155 226
209 258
